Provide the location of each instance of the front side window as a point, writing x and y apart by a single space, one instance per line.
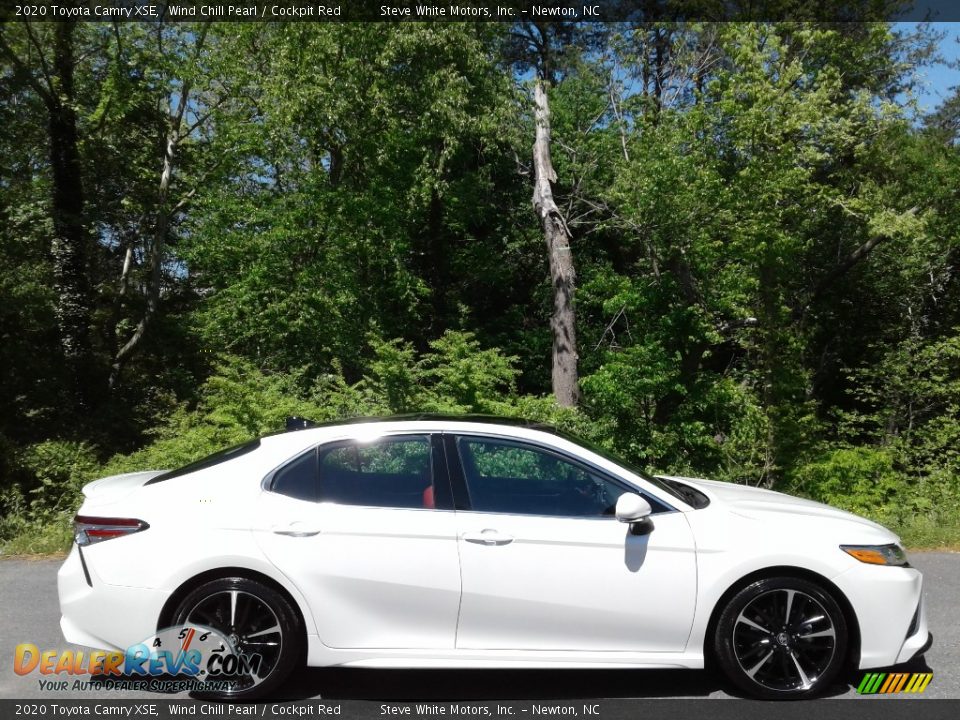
509 477
390 472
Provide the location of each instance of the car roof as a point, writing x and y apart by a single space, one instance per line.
302 431
473 418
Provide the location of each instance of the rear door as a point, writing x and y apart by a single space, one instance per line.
367 533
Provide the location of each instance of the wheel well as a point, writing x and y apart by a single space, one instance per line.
849 616
170 606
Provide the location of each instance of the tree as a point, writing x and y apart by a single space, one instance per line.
752 201
377 195
51 75
176 99
544 48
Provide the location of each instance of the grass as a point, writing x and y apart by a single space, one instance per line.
925 533
935 529
34 538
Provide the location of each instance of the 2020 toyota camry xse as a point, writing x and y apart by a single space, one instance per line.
479 543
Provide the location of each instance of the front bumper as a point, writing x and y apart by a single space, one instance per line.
99 615
918 641
889 606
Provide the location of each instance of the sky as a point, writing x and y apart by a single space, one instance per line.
939 79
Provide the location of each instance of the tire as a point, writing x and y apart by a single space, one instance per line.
781 638
258 621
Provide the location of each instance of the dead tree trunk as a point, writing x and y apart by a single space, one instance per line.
166 209
157 242
556 234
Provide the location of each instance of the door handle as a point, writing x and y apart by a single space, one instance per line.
296 529
488 537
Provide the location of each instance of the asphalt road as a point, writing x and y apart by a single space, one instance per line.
29 613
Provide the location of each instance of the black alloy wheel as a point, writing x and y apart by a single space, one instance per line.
258 622
782 638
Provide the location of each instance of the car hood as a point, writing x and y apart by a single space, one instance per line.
761 504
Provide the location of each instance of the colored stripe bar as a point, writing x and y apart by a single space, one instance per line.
926 681
891 683
891 680
904 677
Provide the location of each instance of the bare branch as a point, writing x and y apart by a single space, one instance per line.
845 265
45 94
43 64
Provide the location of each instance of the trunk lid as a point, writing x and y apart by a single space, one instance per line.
115 487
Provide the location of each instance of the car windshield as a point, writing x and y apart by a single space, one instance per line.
216 458
669 489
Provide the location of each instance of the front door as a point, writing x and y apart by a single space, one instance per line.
546 566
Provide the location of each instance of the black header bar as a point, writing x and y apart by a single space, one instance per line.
597 11
589 709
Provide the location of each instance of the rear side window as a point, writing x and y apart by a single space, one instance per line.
221 456
298 479
392 472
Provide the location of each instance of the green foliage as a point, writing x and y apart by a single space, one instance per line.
765 242
464 378
240 401
39 521
861 480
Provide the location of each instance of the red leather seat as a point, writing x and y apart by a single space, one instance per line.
428 498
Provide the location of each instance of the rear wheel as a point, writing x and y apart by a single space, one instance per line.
781 638
259 624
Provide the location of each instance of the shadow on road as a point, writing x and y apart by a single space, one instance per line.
418 685
413 685
915 665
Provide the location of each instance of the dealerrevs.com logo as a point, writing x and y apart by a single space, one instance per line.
183 658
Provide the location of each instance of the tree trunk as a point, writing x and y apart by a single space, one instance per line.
68 249
165 211
160 229
562 275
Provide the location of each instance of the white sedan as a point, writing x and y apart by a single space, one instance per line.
435 542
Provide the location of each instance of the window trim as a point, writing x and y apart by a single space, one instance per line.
462 495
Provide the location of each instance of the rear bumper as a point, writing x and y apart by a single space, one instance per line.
104 616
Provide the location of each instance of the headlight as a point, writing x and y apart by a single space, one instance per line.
891 554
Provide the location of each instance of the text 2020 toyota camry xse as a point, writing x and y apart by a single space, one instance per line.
476 543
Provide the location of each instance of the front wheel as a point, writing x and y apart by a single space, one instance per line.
260 626
781 638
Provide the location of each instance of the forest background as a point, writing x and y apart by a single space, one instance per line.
740 262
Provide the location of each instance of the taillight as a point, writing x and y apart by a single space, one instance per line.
88 530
